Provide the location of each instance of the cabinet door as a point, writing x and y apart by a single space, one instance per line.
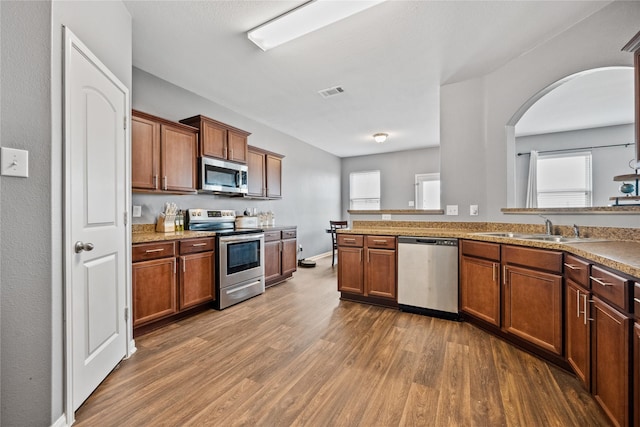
533 307
636 373
350 270
578 329
256 174
237 143
289 258
274 176
480 289
179 159
272 260
610 370
154 290
196 279
213 140
145 153
380 273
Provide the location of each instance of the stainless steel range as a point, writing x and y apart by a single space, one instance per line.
239 255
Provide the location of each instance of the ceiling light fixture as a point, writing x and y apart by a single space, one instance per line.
380 137
302 20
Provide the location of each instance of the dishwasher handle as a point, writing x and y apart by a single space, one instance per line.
440 241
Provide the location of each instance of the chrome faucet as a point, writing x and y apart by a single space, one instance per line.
576 231
548 225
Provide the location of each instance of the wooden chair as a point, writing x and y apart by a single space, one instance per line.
335 225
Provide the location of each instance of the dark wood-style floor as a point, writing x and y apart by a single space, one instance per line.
297 355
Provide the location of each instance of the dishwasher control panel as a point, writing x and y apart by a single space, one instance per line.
438 241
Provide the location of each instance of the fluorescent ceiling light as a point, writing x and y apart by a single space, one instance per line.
302 20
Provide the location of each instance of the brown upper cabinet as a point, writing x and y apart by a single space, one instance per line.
219 140
265 174
163 155
634 47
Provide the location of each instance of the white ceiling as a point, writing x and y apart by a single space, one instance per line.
591 99
391 61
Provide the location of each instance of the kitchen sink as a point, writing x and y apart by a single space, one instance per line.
505 234
537 237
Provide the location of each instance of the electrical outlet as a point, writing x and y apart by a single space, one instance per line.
299 248
452 209
386 217
473 210
411 203
137 211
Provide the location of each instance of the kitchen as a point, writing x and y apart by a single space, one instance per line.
312 182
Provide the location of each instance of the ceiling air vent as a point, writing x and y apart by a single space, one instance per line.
332 91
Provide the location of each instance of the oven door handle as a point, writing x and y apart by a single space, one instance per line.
241 238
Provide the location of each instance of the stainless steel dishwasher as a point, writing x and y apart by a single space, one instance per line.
428 276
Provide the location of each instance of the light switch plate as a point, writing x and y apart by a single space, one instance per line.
452 209
137 211
473 210
14 162
386 217
411 203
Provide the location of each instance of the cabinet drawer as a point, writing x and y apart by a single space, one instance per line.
636 302
354 240
288 234
270 236
484 250
538 259
577 270
611 287
192 246
381 242
147 251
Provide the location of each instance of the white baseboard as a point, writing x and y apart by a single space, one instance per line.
60 422
317 257
132 348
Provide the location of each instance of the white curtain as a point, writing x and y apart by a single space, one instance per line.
532 186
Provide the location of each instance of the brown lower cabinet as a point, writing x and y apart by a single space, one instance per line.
280 255
367 268
532 297
611 362
578 331
480 280
166 284
636 369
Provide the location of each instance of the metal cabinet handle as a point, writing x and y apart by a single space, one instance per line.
578 303
504 274
572 267
155 181
493 271
380 241
164 182
584 305
600 282
199 244
637 300
81 246
148 251
349 240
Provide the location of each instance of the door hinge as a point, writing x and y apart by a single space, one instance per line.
126 314
126 217
125 123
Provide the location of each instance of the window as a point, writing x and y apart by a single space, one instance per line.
364 190
428 191
564 180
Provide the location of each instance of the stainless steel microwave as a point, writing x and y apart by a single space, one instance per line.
219 176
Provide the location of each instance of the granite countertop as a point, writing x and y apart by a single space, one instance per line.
618 254
145 233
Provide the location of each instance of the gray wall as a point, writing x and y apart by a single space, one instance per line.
25 260
397 174
606 162
310 177
474 114
31 243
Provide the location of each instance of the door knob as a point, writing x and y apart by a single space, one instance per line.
80 246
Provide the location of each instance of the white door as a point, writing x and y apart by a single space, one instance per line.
96 106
